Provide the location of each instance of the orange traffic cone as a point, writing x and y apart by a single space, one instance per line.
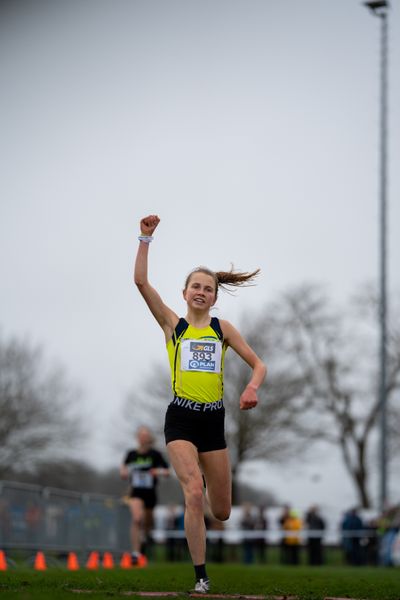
93 561
40 562
126 561
3 561
72 562
108 561
142 561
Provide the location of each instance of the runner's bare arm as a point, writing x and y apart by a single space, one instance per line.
165 317
160 471
124 472
248 399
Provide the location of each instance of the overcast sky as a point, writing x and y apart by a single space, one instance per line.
250 126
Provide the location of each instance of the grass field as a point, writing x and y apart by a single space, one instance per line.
306 583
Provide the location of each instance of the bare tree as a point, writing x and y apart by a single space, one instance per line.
36 405
266 432
335 354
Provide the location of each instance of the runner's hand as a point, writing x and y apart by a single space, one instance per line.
248 399
149 224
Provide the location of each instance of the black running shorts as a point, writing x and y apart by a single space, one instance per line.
148 496
192 421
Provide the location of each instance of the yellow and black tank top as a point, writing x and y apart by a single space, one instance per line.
196 358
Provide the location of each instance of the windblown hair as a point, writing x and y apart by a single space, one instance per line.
225 279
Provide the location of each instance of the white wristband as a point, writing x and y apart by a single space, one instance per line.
145 238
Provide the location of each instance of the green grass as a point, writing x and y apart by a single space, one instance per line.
306 583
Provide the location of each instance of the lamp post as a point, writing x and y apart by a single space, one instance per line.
380 9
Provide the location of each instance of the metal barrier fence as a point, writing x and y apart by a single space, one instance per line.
42 518
34 517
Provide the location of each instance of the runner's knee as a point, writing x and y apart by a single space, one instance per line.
222 513
194 496
138 521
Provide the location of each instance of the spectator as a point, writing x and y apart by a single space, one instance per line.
352 527
389 526
371 543
216 537
315 525
175 545
260 542
292 526
247 524
281 521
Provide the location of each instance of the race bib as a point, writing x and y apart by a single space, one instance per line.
142 479
201 355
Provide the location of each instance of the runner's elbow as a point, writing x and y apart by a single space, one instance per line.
139 282
265 369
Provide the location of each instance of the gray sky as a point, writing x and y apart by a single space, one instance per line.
250 127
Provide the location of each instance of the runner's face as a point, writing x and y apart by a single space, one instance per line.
200 291
144 437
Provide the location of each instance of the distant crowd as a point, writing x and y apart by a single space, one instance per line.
364 541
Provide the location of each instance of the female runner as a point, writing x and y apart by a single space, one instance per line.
194 422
